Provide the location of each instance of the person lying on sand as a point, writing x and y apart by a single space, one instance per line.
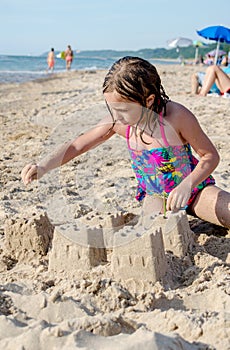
215 80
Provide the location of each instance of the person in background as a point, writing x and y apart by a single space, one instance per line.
201 60
68 57
219 60
50 60
225 61
159 134
215 80
209 60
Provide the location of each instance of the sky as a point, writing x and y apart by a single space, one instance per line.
32 27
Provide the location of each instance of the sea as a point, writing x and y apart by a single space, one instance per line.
20 69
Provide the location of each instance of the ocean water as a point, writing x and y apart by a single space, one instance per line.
19 69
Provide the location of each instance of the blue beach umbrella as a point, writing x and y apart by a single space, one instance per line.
218 33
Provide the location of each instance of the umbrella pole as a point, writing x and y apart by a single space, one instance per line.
196 54
217 51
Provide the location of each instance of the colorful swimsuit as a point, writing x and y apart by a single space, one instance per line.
160 170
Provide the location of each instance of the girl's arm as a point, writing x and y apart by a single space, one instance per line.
192 133
83 143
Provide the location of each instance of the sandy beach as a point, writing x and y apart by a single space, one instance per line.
60 287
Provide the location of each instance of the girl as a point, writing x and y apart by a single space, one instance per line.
159 135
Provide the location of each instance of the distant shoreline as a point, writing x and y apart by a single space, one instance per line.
18 69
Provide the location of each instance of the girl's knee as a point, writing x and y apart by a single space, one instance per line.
223 208
212 68
213 204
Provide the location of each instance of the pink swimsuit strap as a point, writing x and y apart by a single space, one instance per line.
127 135
162 130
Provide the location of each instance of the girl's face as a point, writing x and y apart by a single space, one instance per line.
125 111
122 110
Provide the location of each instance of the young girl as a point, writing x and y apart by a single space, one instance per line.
159 135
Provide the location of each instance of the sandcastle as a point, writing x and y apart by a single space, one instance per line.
177 235
138 254
83 247
137 251
82 253
28 238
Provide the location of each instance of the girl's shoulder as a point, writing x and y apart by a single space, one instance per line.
176 113
175 107
180 117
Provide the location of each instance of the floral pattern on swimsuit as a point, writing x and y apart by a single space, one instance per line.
160 170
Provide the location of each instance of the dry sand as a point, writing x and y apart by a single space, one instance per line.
56 296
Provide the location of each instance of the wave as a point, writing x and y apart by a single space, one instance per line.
21 72
25 68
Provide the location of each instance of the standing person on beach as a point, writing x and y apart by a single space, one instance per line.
159 134
50 60
68 57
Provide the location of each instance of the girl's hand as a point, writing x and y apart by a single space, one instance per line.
31 172
179 197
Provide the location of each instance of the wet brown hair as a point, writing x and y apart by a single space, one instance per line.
135 79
